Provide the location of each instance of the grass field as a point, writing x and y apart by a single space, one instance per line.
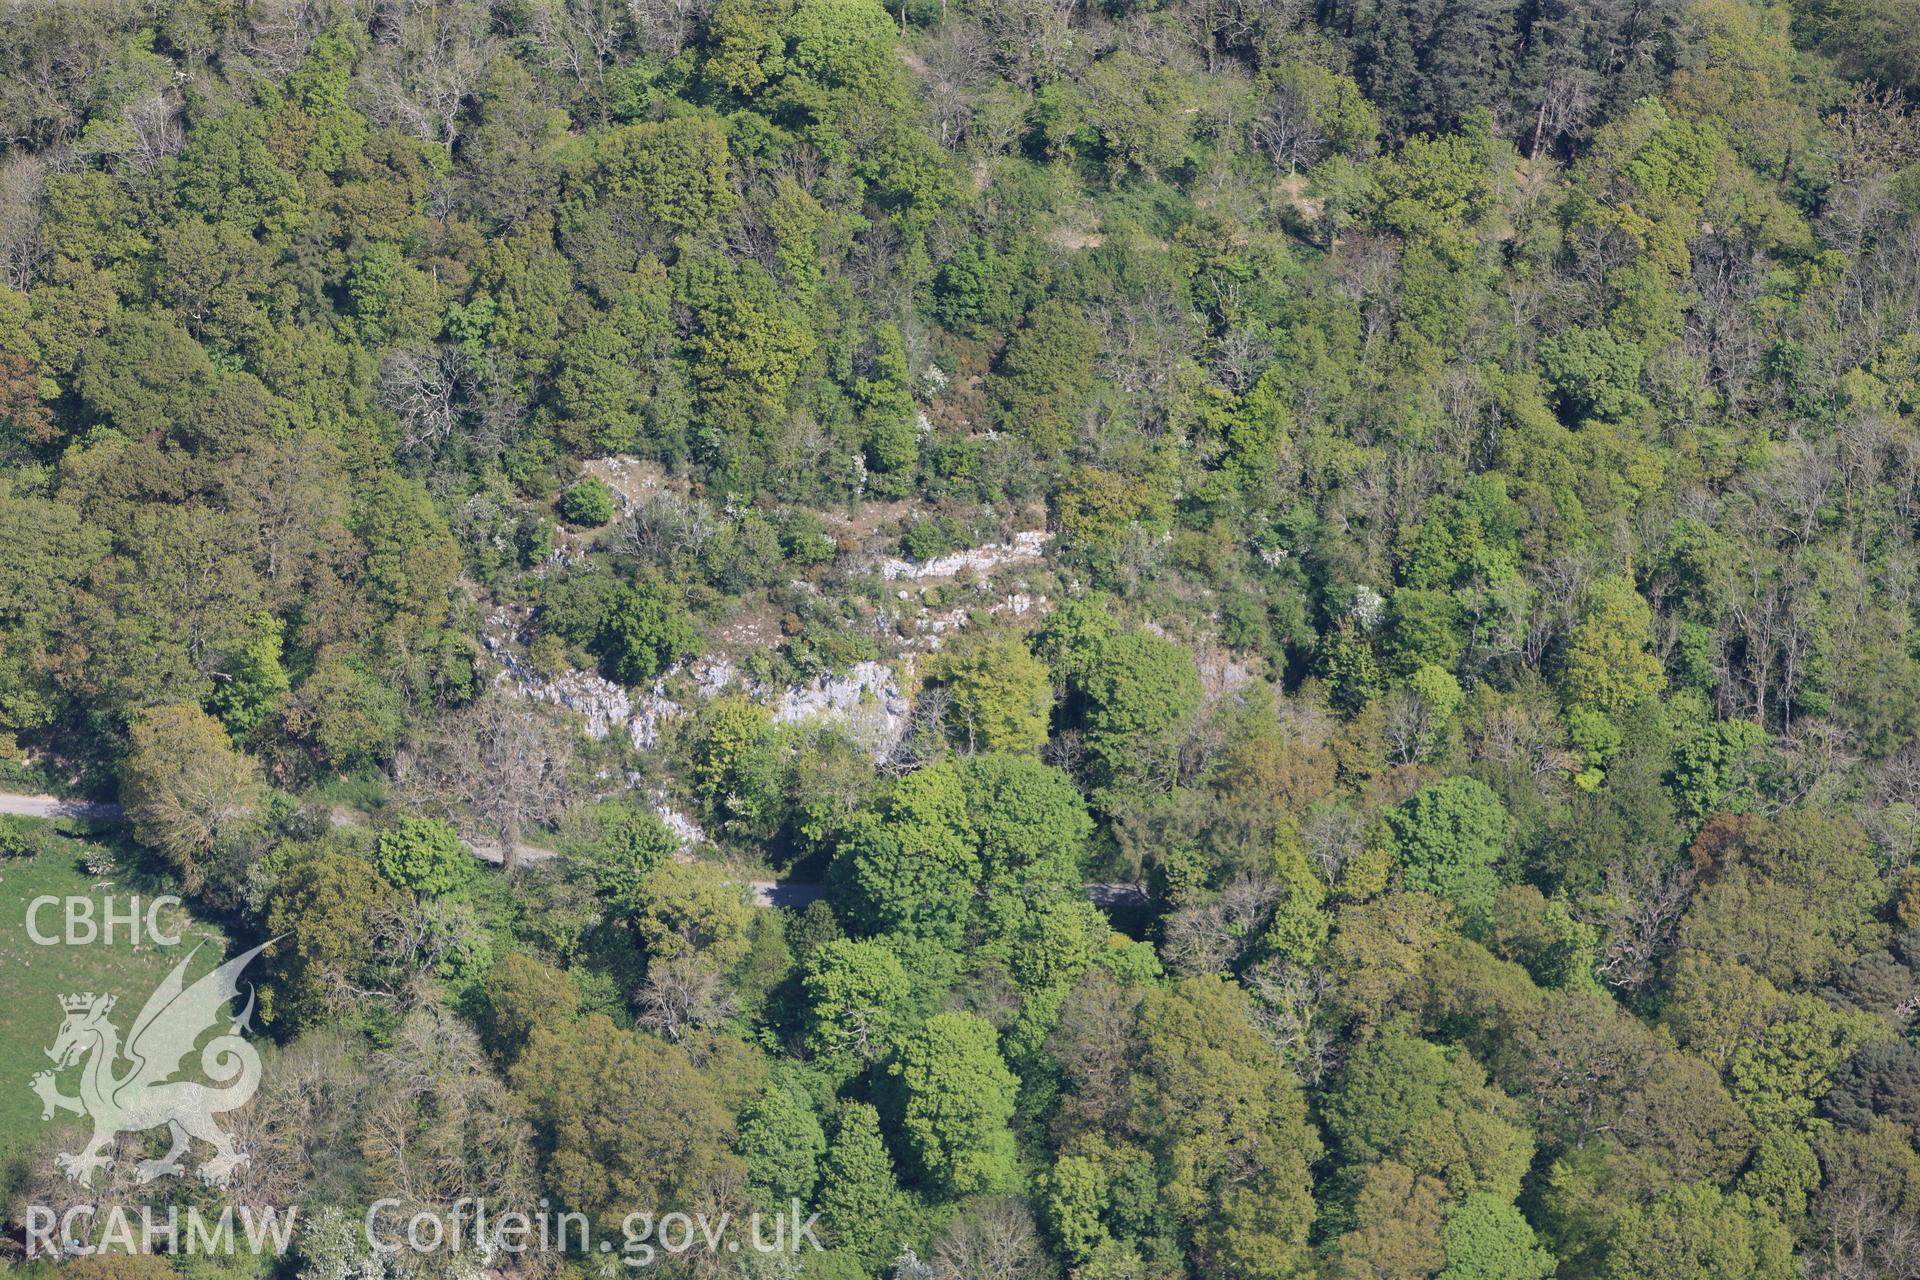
34 977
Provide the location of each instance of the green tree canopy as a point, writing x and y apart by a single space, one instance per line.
424 854
953 1097
186 788
1448 837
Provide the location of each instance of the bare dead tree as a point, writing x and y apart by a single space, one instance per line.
311 1095
502 760
1067 752
1194 940
991 1240
1860 1233
431 61
1240 357
1145 342
1524 741
1331 833
1031 38
1893 805
578 37
925 738
681 996
1645 898
1871 137
665 27
1286 130
442 1126
1210 936
666 527
153 131
1407 725
1286 1003
1818 758
423 387
277 33
957 61
23 253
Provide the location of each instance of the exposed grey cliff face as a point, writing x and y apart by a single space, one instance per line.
867 698
603 704
1027 545
651 714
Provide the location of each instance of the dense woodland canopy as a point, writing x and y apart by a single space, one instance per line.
1480 442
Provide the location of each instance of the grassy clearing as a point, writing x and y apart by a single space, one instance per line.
34 977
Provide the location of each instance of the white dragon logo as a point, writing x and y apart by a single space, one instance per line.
143 1097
